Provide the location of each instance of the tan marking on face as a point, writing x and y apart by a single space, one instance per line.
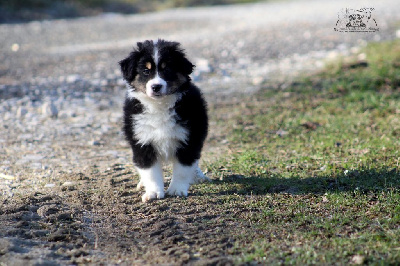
148 65
139 86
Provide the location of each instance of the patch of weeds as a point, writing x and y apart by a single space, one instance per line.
317 165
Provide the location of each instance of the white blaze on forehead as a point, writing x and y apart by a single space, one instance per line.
156 80
155 53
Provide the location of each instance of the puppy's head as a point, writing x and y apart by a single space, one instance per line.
156 68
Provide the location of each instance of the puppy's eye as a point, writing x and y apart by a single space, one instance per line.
146 72
163 65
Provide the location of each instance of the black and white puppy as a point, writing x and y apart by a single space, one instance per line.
165 117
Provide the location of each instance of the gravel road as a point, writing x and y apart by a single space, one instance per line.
61 90
241 45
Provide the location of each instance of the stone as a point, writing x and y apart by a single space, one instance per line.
21 112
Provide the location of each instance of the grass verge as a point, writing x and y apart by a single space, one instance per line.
316 164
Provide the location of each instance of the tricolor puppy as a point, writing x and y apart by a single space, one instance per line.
165 117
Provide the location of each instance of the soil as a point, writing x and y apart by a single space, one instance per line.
67 183
100 218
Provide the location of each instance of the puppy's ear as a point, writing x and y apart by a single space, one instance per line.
184 65
129 65
140 46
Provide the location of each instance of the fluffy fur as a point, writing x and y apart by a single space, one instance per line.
165 117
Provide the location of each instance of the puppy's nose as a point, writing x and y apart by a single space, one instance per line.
156 87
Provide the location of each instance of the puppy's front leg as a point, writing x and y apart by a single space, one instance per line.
182 177
152 180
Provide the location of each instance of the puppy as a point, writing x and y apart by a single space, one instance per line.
165 117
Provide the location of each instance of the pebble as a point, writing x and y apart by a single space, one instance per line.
21 112
281 132
203 65
358 259
7 177
72 78
6 246
50 109
258 81
15 47
96 143
68 184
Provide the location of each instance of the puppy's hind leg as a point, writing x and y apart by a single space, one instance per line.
199 177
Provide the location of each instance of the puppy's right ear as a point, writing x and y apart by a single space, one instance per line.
129 65
140 46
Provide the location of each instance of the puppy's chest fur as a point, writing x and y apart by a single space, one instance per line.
157 125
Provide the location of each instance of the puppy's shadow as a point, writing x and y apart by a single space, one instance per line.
360 181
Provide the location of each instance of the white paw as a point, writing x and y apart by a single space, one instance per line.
179 190
150 195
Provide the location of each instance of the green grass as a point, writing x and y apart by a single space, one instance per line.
319 164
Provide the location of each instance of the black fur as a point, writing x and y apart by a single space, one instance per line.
191 110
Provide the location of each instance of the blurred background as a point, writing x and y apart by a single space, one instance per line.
25 10
59 72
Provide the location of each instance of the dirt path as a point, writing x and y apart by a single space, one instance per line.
66 178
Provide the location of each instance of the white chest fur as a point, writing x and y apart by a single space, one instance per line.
157 125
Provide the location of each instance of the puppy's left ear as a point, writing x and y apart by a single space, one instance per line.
185 66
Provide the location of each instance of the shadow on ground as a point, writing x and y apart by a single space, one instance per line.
362 180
